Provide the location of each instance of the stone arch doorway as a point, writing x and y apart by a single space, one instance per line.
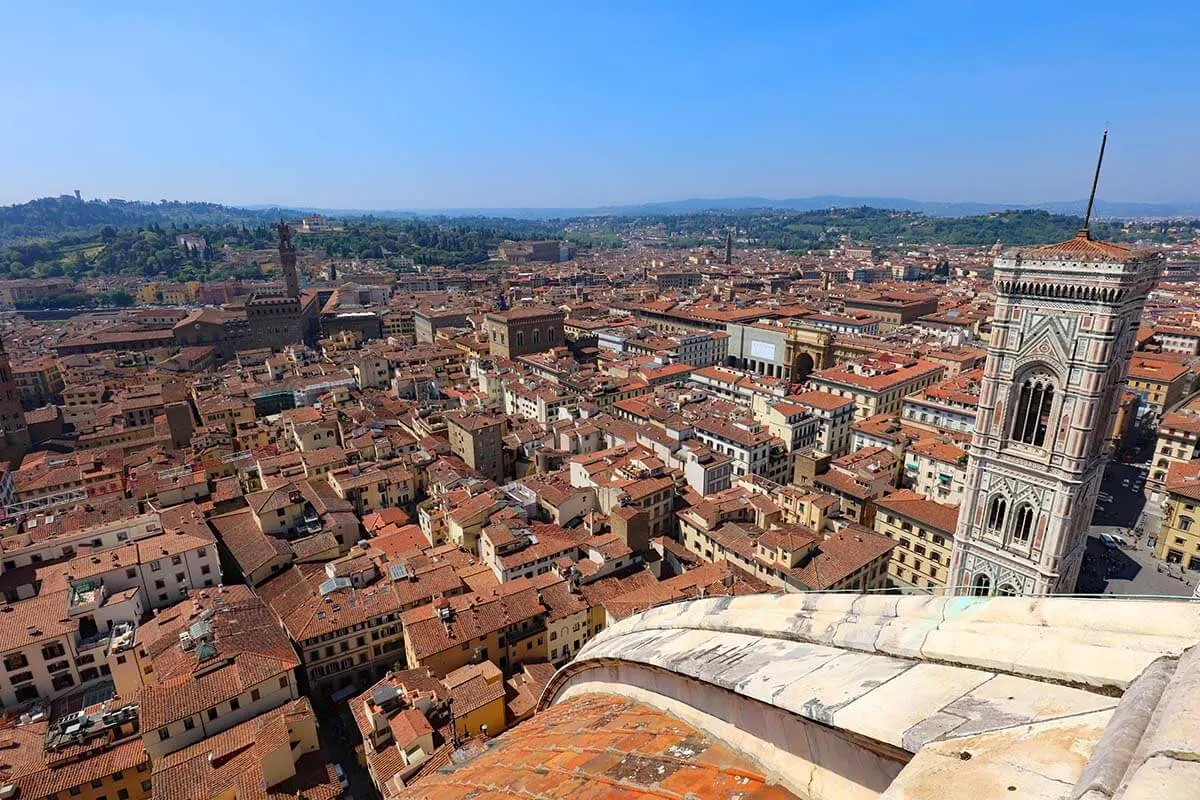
803 367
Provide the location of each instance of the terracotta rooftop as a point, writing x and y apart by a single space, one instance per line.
1083 248
235 762
602 748
916 506
1183 479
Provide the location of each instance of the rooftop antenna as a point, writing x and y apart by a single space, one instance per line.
1087 218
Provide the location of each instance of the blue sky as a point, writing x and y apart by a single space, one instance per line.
510 104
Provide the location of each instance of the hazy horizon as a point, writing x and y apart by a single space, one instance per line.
381 106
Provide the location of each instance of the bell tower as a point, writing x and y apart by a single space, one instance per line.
1063 332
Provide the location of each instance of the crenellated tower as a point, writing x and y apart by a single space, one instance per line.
287 261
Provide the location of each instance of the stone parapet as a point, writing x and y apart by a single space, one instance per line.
848 696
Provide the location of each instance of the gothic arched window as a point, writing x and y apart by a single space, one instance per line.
1023 524
1033 411
981 586
996 512
1006 590
537 336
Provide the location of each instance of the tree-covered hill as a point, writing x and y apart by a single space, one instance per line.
52 217
66 236
815 230
153 250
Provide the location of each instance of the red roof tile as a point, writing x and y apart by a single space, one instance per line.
1083 248
602 748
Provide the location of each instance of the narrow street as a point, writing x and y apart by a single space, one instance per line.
341 737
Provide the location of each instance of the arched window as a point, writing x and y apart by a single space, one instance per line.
1006 590
1023 524
1185 523
520 338
981 586
551 334
537 336
996 512
1033 411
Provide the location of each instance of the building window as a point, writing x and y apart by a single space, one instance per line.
1033 411
996 512
1023 524
519 338
234 705
212 714
163 734
1185 523
188 724
981 586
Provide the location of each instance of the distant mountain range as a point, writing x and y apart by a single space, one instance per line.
1104 209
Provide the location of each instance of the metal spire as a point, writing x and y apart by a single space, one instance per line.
1087 218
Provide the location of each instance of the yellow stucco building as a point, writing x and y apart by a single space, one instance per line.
1179 536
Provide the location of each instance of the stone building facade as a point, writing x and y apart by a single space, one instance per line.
525 330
